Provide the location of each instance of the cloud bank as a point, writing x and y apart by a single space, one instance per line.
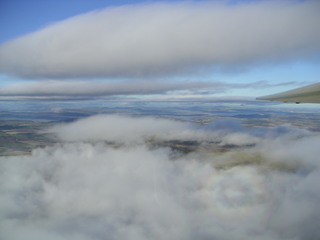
84 188
100 88
108 88
166 38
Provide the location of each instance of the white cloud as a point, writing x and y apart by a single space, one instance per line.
123 129
166 38
131 130
83 188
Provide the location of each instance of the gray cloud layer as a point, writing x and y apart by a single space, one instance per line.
102 88
165 38
84 189
96 88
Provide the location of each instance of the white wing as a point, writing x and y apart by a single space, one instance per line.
308 94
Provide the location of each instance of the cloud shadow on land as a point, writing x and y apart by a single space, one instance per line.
84 187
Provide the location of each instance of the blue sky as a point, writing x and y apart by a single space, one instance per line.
18 18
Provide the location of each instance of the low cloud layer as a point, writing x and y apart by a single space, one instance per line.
52 88
84 188
96 88
166 38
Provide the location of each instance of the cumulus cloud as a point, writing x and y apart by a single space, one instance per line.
85 188
131 130
166 38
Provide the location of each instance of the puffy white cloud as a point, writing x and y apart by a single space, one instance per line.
166 38
84 188
131 130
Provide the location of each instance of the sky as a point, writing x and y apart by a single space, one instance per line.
167 48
